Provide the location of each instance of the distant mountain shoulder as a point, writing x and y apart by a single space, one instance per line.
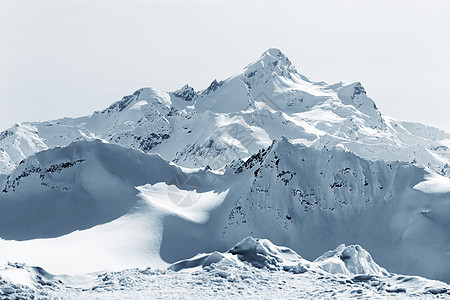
236 117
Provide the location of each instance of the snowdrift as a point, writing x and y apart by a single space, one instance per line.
252 268
262 253
80 209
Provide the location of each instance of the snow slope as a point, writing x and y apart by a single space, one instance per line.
96 206
312 200
253 268
77 209
160 177
234 118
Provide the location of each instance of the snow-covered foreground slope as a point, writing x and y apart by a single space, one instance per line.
254 268
77 209
238 116
96 206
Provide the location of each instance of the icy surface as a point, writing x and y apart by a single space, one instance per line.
227 275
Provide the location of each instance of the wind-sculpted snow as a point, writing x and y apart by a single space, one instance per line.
61 190
235 117
349 260
253 268
159 177
326 197
350 265
95 206
262 253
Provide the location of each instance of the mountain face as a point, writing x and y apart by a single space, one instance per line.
94 201
304 164
236 117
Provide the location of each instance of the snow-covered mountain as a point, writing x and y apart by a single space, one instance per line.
93 206
238 116
159 177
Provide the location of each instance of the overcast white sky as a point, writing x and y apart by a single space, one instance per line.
68 58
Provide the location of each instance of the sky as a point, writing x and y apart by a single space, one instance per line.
70 58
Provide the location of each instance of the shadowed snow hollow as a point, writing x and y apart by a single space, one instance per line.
90 204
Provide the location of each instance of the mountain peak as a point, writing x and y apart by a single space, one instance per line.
186 93
272 60
274 54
